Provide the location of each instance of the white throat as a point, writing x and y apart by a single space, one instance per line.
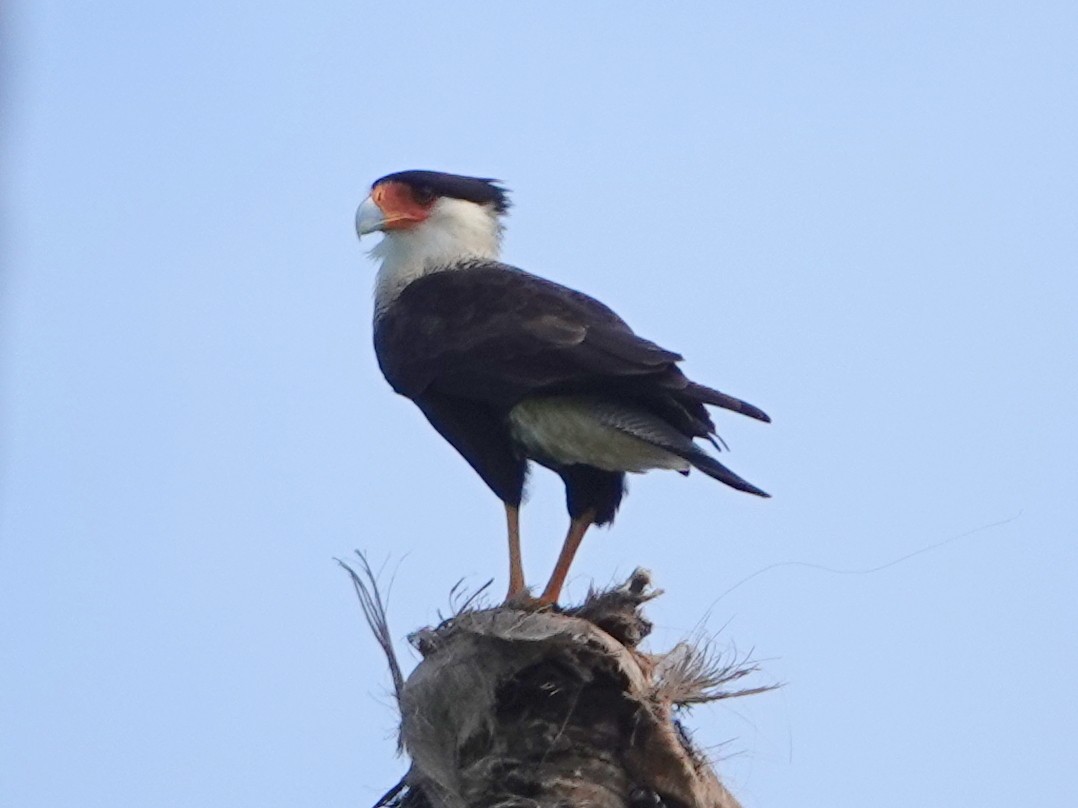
455 231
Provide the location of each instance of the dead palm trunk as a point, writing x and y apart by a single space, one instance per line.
552 709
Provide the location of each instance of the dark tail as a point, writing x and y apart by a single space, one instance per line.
713 468
714 397
651 428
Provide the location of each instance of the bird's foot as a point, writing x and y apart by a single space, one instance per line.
525 602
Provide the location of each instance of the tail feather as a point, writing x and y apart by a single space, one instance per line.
653 430
713 468
657 432
714 397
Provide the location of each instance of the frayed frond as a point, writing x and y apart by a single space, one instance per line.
461 600
374 611
616 611
697 673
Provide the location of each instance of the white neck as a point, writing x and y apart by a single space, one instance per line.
455 231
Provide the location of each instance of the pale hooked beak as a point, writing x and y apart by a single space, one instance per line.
369 218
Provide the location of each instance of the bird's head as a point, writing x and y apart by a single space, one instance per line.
430 221
413 201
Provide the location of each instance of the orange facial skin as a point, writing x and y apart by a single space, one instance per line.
399 206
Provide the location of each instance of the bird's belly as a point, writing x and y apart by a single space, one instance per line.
569 430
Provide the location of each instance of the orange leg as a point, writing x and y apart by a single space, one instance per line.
516 566
577 528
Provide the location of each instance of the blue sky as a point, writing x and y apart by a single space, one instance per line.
859 216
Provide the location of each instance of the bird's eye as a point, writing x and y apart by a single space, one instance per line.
423 195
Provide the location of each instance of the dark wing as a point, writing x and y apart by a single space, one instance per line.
495 334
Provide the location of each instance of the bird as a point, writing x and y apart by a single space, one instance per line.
512 369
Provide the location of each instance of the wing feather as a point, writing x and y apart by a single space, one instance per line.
495 334
498 334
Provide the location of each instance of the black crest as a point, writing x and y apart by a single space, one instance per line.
480 190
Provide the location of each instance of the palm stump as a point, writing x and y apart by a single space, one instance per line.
511 707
